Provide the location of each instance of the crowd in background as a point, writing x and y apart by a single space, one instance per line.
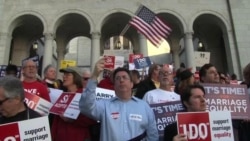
161 84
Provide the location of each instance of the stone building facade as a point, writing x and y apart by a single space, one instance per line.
222 26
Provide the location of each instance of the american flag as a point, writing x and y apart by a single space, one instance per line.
150 26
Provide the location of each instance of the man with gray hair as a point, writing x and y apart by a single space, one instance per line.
50 77
12 106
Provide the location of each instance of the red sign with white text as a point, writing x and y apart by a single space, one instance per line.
132 57
206 126
196 128
67 105
37 103
109 62
9 133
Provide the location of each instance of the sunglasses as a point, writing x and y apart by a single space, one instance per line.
85 78
2 101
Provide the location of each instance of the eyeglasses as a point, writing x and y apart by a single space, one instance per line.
166 72
118 78
31 67
85 78
2 101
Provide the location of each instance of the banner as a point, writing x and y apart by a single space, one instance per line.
142 62
206 126
36 129
37 103
165 114
233 98
67 105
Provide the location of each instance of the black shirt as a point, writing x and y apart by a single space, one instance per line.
170 131
24 115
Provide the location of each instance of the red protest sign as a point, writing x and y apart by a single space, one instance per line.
31 100
132 57
195 128
109 62
206 126
37 103
10 132
67 105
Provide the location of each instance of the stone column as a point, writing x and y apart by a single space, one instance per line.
5 42
189 49
176 59
143 45
95 48
48 49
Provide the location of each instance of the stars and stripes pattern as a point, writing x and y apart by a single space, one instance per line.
151 26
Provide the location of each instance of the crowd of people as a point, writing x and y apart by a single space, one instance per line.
127 116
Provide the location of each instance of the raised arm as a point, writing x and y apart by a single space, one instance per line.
88 104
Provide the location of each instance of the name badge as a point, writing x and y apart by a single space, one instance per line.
135 117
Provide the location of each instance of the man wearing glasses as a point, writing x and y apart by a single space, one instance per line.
30 82
164 93
12 106
123 117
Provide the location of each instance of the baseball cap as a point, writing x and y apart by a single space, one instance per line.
185 74
72 70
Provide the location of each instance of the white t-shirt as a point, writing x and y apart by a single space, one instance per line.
160 96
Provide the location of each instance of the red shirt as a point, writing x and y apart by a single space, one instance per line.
106 83
74 130
37 88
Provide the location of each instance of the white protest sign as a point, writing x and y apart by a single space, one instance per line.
36 129
54 94
104 93
201 58
208 126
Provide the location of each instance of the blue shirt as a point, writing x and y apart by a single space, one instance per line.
120 120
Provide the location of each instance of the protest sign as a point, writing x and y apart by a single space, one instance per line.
201 58
67 105
165 114
23 131
113 62
132 57
67 63
37 103
104 93
206 126
142 62
54 94
233 98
